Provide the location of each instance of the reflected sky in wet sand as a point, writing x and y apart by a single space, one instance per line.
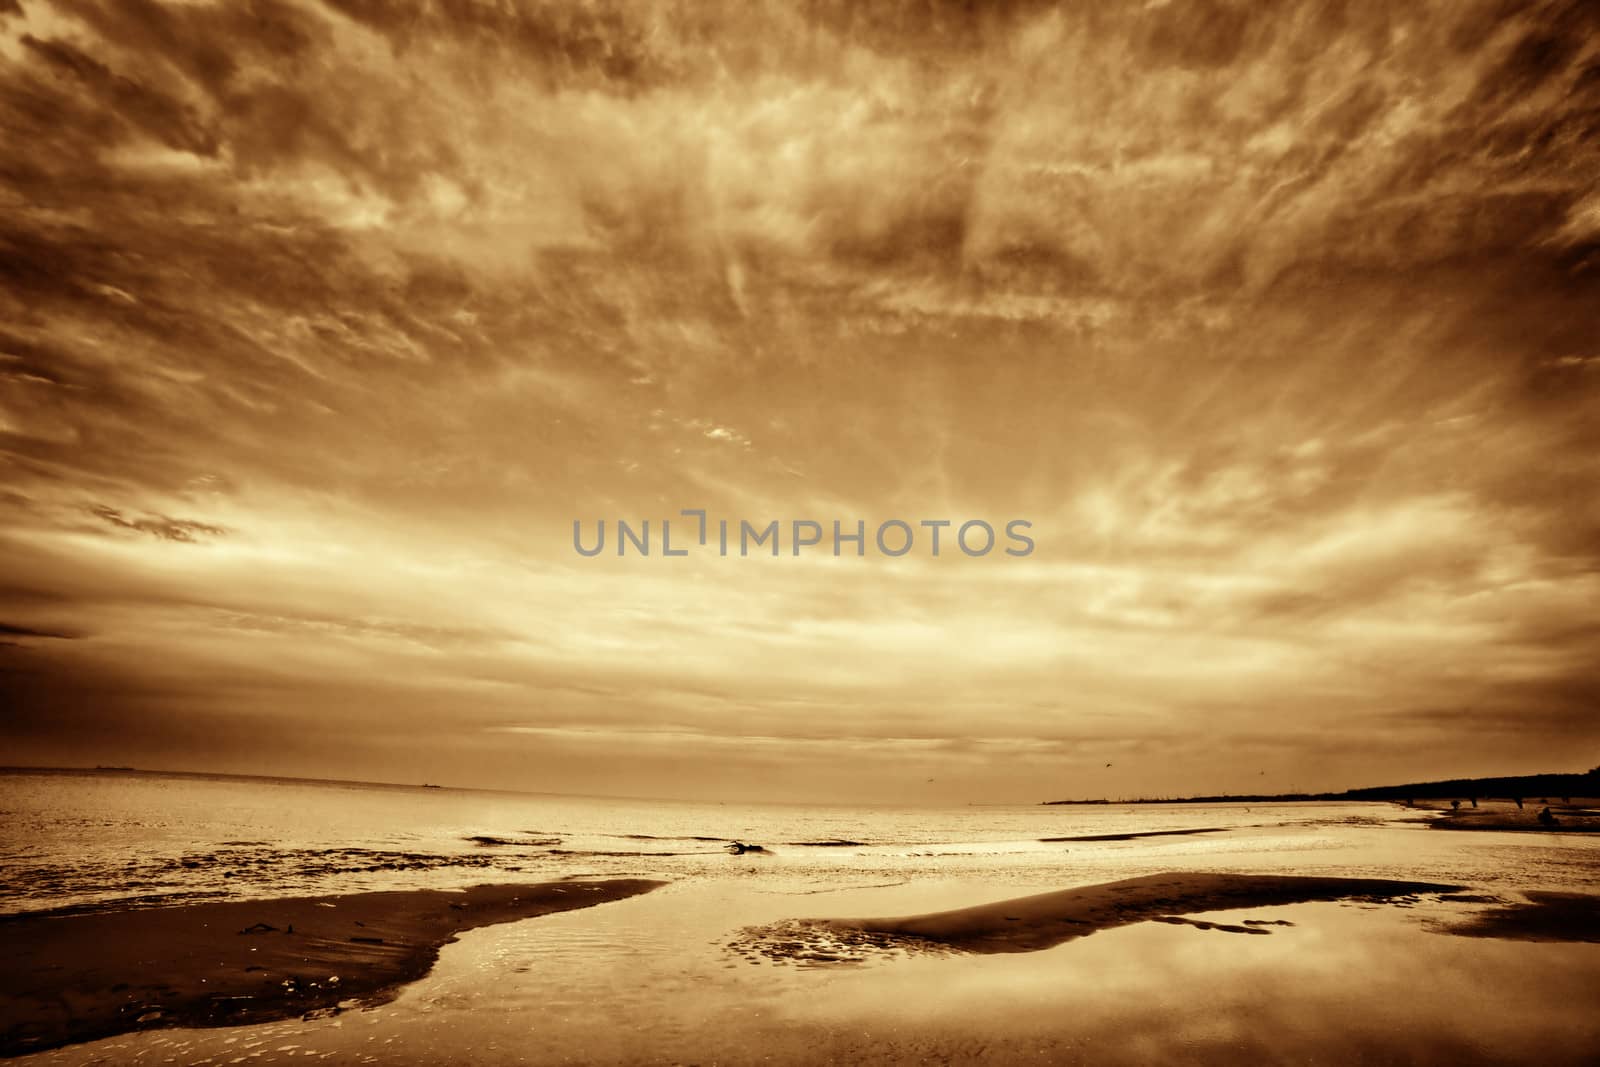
653 979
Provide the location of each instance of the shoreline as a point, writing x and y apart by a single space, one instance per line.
85 976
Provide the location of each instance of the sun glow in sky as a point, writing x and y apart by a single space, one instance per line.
321 322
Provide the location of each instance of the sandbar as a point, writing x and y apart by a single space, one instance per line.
1026 924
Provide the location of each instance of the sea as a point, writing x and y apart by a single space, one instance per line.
111 839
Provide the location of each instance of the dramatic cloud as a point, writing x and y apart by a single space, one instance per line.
321 322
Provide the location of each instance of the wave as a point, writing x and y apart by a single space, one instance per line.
1139 833
605 852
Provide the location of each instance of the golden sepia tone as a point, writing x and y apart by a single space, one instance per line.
325 323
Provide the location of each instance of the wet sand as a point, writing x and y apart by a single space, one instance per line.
1540 916
1580 821
1338 970
78 977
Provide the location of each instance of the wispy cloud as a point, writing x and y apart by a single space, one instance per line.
1277 323
161 526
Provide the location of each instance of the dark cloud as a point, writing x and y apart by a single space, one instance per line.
167 529
28 631
146 110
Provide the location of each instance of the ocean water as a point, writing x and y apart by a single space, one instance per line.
119 839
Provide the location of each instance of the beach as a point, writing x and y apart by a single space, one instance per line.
598 532
661 978
1292 933
76 977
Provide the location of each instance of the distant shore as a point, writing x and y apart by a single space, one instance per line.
1576 814
81 977
1548 788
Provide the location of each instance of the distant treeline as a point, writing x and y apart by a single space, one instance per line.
1523 786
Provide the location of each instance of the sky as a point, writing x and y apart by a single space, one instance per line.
322 322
